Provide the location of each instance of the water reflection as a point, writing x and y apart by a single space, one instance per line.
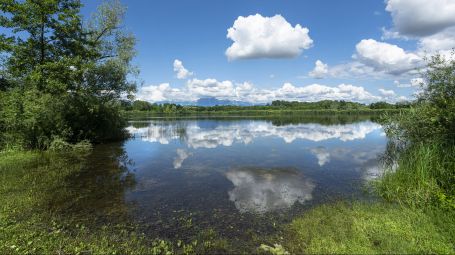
259 190
322 154
97 188
286 160
181 156
197 136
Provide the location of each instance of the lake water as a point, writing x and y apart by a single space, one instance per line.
239 177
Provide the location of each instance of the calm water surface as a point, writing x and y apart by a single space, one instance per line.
244 177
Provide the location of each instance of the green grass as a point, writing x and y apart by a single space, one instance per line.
417 216
425 176
371 228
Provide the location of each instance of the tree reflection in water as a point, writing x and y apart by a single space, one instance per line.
96 187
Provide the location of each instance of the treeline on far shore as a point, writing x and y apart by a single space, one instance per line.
279 106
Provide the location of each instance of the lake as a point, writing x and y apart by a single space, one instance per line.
240 178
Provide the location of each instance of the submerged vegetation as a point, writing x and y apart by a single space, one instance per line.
44 210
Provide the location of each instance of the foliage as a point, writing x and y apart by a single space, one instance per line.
325 104
425 138
142 108
370 228
60 78
139 105
433 116
425 176
385 105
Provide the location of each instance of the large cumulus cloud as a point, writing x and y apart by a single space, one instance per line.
256 36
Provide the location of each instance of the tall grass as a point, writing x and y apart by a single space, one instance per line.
425 176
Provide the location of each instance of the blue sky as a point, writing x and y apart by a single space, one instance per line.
368 50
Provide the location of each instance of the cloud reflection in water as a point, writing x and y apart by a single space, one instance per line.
181 156
322 154
228 134
259 190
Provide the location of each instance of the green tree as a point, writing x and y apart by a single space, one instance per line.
139 105
60 77
432 117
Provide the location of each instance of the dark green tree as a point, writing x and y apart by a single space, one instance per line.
63 77
139 105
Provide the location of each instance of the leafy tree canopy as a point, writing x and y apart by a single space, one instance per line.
62 76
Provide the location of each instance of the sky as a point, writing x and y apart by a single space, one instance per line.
258 51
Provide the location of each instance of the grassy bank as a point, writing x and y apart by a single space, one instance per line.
371 228
42 210
416 216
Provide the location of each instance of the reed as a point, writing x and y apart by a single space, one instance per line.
425 176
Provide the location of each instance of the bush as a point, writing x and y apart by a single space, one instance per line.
426 164
59 145
433 116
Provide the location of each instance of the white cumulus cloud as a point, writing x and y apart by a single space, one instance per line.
379 60
417 18
387 93
256 36
432 23
247 92
316 92
386 57
163 92
444 40
180 70
211 88
320 70
414 82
